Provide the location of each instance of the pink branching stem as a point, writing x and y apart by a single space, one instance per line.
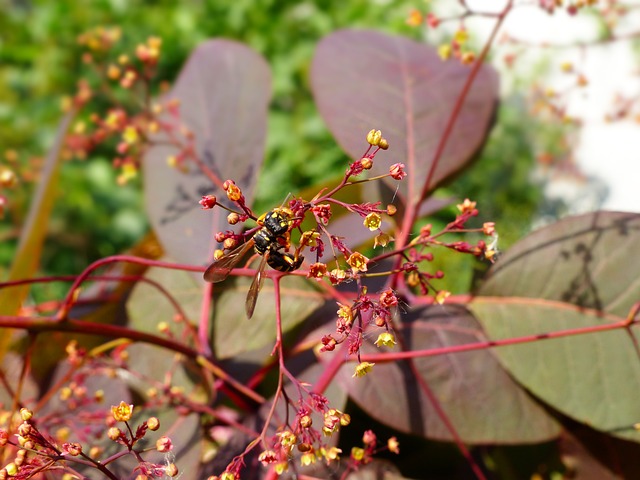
42 324
392 357
447 422
412 211
69 299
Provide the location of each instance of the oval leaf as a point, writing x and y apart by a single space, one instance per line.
484 404
580 272
224 92
365 79
234 333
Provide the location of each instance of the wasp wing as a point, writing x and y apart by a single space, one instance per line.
256 286
219 269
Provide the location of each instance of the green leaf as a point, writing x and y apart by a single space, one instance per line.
580 272
234 333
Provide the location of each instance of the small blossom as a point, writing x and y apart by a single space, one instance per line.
317 270
441 296
267 457
164 444
234 193
382 240
122 412
366 163
467 206
337 276
397 171
388 298
12 469
4 437
331 422
114 433
391 210
153 423
363 368
383 144
233 218
309 238
369 438
26 414
113 72
415 18
432 20
461 36
171 470
322 213
468 58
393 445
345 419
357 454
306 421
279 468
385 339
129 172
372 221
488 228
25 429
358 262
8 178
373 137
444 51
229 243
346 313
566 67
73 449
307 459
328 343
287 439
332 454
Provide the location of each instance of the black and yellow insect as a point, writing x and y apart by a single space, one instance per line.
269 242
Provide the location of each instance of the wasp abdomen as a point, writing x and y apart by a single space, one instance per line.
263 240
284 262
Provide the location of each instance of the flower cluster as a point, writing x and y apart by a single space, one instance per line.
132 129
350 264
35 451
363 455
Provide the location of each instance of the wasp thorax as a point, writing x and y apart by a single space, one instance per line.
277 222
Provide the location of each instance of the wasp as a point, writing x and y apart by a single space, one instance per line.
269 242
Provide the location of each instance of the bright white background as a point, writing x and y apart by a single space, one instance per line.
608 153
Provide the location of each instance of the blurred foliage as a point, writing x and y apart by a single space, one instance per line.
40 62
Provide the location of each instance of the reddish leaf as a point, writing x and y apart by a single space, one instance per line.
579 272
224 91
484 404
365 79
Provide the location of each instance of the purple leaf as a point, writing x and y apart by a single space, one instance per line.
224 92
365 79
484 404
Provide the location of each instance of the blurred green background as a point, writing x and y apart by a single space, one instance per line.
40 62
